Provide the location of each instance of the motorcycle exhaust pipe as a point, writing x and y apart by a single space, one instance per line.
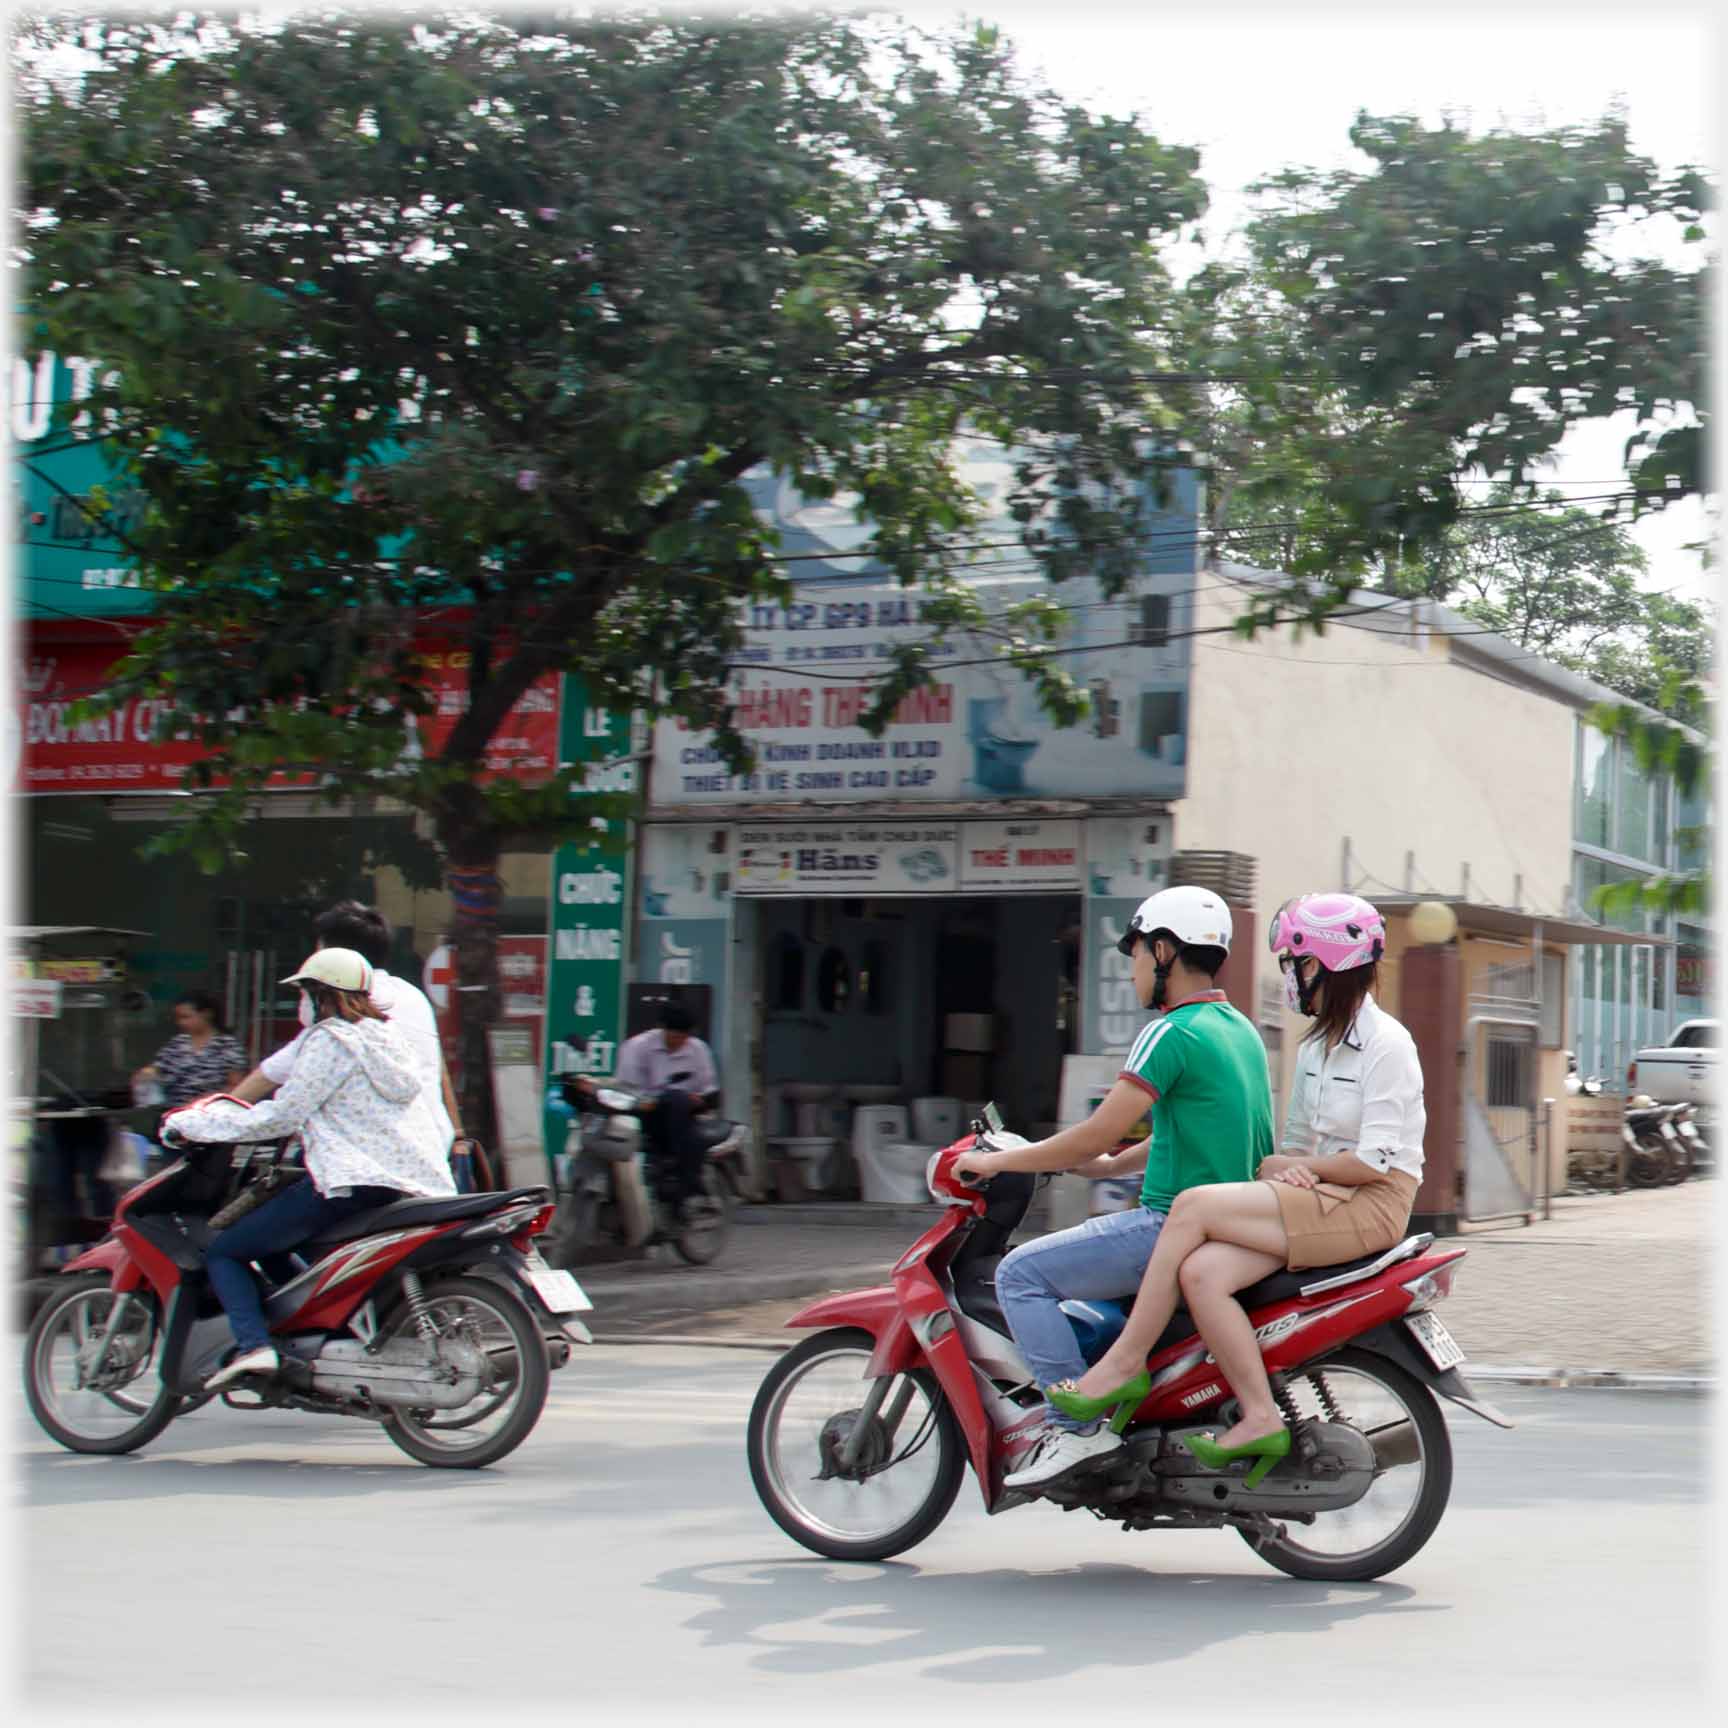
1395 1445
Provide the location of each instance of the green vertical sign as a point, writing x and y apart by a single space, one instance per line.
590 905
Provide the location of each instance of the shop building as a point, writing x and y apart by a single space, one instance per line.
864 923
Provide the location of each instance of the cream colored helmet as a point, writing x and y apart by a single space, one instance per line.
1195 917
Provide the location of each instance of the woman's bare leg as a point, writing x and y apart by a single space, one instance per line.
1210 1278
1245 1213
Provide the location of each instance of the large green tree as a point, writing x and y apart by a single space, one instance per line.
489 320
1446 314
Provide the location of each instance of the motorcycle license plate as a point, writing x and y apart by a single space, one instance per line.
1439 1344
558 1290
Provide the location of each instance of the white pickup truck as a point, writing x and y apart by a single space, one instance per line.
1682 1071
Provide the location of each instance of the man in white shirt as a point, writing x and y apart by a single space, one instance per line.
674 1070
366 930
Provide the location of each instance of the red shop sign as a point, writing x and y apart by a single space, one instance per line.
120 752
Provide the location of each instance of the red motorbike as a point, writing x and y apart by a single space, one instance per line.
860 1435
436 1318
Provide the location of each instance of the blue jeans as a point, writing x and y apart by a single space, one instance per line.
1102 1258
282 1222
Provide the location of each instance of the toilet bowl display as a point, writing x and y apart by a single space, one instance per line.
818 1159
937 1121
893 1174
875 1126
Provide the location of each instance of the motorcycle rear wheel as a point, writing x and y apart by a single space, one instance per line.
702 1240
489 1313
104 1420
837 1518
1352 1377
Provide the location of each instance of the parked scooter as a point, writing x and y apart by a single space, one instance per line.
1587 1085
860 1436
607 1191
1656 1152
1697 1145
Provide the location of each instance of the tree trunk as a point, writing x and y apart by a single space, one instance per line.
476 895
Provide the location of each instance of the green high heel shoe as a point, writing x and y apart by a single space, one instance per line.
1268 1449
1123 1402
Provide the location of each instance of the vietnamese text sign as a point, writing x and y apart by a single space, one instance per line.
1009 855
807 668
589 914
124 751
852 858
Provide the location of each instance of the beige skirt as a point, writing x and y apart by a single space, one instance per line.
1333 1222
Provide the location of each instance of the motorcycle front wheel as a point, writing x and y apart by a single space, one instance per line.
502 1413
1647 1167
1390 1524
107 1406
908 1469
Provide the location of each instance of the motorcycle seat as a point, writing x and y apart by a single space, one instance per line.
434 1209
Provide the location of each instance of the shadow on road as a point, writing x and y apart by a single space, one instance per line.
50 1480
1004 1627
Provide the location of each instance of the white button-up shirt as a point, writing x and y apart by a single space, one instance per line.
1363 1096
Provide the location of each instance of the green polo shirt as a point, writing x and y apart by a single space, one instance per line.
1205 1067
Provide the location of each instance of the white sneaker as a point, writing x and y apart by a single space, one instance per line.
1060 1452
263 1360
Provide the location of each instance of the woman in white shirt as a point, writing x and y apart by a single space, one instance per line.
357 1099
1341 1187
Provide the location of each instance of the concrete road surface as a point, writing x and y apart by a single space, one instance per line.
619 1562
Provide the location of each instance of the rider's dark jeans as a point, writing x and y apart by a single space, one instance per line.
282 1222
678 1153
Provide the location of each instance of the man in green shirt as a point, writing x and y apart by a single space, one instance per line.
1204 1067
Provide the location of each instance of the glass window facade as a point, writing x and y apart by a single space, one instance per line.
1628 826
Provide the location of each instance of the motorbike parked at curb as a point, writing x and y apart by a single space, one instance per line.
860 1436
434 1317
607 1190
1657 1152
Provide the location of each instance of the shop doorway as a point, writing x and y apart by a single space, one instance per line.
877 1001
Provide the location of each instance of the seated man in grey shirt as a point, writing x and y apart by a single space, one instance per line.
674 1071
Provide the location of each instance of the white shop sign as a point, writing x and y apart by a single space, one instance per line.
35 998
883 858
1009 855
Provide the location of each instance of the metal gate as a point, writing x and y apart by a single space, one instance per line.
1503 1173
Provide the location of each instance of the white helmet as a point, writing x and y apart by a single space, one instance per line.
1196 917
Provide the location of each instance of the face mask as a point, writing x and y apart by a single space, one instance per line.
1301 1001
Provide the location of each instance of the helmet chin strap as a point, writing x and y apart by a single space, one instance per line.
1160 980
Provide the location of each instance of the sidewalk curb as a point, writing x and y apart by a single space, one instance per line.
1569 1379
693 1288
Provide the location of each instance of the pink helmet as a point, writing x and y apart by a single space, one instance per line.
1341 931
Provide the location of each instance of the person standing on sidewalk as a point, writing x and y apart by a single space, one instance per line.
1204 1067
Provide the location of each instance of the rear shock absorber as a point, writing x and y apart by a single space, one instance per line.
1323 1392
1292 1416
419 1308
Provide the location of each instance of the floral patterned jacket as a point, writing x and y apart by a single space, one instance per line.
358 1100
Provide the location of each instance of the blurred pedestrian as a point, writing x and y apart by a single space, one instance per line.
202 1057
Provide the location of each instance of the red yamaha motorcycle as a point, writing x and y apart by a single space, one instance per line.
436 1318
860 1435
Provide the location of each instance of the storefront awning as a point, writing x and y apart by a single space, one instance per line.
1512 925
